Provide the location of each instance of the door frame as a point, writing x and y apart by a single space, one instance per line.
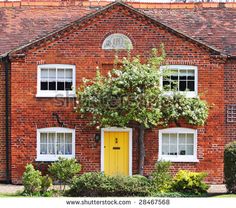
116 129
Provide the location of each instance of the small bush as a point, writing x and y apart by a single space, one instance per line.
190 182
64 170
161 179
46 183
34 183
31 180
230 167
99 185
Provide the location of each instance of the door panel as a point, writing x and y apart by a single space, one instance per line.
116 153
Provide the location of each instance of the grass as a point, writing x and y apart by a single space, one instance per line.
16 194
226 196
9 195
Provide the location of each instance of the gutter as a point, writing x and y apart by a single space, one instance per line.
7 66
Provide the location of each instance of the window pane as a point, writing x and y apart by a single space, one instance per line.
173 150
174 77
52 74
60 148
60 138
165 149
44 79
182 86
60 144
68 74
60 74
68 149
52 79
43 149
43 138
44 85
173 139
183 74
44 73
182 138
190 138
189 150
182 150
68 85
51 138
68 138
165 139
60 85
51 143
190 74
51 148
191 85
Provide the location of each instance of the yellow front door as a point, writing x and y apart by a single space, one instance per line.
116 153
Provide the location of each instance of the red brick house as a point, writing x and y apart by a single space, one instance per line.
48 47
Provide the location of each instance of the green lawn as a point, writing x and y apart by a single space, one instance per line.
9 195
225 196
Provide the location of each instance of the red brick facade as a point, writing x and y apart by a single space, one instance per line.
81 45
2 125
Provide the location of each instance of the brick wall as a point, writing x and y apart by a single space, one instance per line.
82 46
230 95
2 125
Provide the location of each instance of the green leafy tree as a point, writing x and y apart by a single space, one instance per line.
130 95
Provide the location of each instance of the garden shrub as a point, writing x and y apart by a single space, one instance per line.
34 183
230 167
64 170
46 183
190 182
31 180
100 185
161 179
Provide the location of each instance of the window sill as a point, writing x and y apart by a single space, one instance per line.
50 158
179 159
187 94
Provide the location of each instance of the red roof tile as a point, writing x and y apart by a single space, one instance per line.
19 26
214 26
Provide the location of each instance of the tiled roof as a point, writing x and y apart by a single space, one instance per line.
20 25
213 25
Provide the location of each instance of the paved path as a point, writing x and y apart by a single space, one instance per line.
11 189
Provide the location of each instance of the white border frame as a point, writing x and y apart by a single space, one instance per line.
56 93
178 158
54 130
116 129
188 94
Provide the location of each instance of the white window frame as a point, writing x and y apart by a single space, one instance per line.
47 157
187 93
56 93
178 158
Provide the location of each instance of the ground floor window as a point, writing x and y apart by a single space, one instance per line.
53 143
178 145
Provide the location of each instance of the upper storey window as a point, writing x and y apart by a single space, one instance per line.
56 80
117 41
180 78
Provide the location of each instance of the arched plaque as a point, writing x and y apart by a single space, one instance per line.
117 41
